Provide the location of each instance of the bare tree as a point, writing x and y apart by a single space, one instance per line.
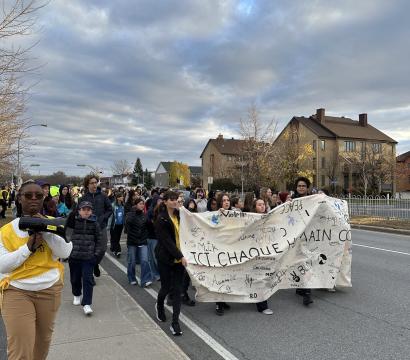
121 167
374 166
17 19
255 162
292 156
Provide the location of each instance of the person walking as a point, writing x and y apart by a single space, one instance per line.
4 198
87 248
223 204
302 185
171 261
30 280
102 210
117 221
137 236
259 207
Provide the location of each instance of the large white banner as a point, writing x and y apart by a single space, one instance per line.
247 257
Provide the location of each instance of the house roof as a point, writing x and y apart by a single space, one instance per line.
403 157
195 169
166 165
341 127
225 146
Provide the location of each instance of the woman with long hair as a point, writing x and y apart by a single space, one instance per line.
137 243
30 280
171 261
259 207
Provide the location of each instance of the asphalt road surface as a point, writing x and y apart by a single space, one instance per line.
371 320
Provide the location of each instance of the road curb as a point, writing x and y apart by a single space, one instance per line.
381 229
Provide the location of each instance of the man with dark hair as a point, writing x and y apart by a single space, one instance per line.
302 185
101 208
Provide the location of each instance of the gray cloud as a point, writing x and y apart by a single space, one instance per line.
156 79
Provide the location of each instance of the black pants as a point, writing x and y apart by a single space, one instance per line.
81 277
3 205
172 277
115 236
263 305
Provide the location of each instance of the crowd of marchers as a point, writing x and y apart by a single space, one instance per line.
31 263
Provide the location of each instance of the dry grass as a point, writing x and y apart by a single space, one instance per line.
381 222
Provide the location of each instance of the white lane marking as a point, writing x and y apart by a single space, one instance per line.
208 339
381 232
387 250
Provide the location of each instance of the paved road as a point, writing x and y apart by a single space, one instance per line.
369 321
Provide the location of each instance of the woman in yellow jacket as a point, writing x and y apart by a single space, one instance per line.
30 281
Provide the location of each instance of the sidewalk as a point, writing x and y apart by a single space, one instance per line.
118 329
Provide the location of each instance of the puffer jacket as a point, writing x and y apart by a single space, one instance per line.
166 250
86 239
137 230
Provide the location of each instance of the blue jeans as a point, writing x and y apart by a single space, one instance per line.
81 277
152 243
140 252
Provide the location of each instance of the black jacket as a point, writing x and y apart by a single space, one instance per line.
86 239
166 250
101 204
136 225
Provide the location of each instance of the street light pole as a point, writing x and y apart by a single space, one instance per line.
19 181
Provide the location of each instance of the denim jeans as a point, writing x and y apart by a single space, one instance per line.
81 277
152 243
140 252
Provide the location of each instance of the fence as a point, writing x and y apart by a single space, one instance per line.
378 207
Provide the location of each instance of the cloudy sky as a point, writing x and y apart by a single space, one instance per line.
156 79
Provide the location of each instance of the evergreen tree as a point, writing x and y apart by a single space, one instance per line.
148 181
137 172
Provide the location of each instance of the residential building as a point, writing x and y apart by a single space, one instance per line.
403 172
219 158
196 173
162 174
344 151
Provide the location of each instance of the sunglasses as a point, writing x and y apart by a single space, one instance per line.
29 195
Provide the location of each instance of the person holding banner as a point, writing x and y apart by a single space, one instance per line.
259 207
224 204
171 261
302 185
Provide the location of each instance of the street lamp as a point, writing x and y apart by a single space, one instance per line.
19 181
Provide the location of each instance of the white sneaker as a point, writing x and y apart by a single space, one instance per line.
133 283
87 310
77 300
148 283
267 312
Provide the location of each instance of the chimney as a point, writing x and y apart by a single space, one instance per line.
220 137
320 116
363 120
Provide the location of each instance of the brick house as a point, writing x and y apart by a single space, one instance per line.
403 172
219 158
331 137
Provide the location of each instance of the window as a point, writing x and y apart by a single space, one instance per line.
362 150
323 162
314 162
377 147
314 145
323 180
322 145
212 164
350 146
